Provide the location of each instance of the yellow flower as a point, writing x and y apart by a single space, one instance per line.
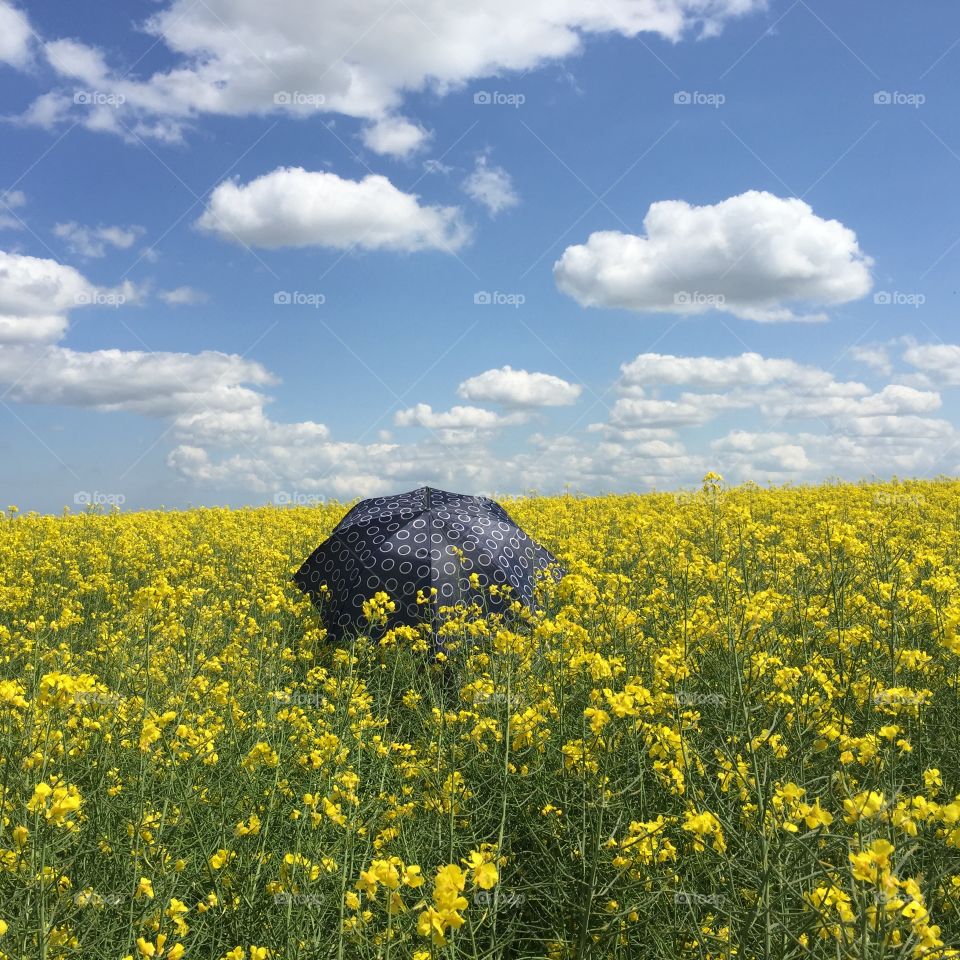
484 871
221 858
145 888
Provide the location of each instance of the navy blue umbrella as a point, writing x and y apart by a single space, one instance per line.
414 541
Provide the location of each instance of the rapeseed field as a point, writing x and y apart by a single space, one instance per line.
730 731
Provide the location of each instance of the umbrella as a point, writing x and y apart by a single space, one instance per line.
414 541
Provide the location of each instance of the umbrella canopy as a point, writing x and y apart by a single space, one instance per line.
410 542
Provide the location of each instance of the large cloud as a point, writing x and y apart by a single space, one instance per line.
293 207
519 388
37 294
300 56
756 256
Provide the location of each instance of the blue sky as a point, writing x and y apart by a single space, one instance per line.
271 253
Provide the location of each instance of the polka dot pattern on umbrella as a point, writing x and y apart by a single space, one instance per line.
414 541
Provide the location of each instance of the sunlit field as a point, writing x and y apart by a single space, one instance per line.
730 731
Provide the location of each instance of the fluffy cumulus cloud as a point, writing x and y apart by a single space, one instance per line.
519 388
36 296
809 423
15 35
209 396
395 136
94 241
491 186
755 256
940 362
293 207
301 57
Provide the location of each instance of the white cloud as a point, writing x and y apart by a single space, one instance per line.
689 410
93 241
939 361
15 36
37 294
491 186
293 207
156 384
755 256
714 373
874 356
301 58
456 418
395 136
11 200
182 296
519 388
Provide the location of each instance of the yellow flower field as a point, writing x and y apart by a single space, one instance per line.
730 731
